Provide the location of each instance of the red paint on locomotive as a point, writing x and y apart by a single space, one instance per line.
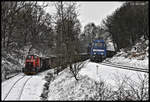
35 61
35 64
32 64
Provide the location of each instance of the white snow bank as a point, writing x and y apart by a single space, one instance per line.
130 62
33 88
138 56
110 46
108 74
65 87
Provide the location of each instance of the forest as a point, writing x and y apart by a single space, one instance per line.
27 24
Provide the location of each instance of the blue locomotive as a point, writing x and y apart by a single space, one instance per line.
97 50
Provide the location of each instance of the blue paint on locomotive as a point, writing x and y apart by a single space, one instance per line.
97 50
98 47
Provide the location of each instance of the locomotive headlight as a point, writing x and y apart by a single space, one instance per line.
102 53
98 50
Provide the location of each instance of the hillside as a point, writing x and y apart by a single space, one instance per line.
13 62
136 56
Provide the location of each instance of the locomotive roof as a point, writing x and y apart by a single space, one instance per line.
98 41
32 55
52 56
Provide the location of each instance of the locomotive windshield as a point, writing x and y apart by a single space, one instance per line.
35 57
99 45
29 57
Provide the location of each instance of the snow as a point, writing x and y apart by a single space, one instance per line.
15 92
106 73
138 56
14 61
65 87
130 62
6 85
110 46
31 91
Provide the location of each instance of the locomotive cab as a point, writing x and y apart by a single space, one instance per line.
32 64
98 50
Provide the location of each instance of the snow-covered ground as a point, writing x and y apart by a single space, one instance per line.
130 62
137 56
109 74
31 91
33 88
65 87
110 46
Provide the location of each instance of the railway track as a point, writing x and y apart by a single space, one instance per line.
23 87
125 67
108 63
11 75
19 97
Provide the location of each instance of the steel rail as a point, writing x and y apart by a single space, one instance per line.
125 67
23 87
13 86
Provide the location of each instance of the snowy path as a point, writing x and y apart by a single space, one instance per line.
33 88
6 85
65 87
31 91
16 90
102 72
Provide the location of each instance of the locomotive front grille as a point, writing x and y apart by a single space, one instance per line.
29 66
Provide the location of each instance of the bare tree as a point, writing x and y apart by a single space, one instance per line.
125 28
128 89
68 30
125 89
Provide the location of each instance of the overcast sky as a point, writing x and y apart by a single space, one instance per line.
96 11
93 11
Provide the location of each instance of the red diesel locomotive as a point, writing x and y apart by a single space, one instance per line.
34 64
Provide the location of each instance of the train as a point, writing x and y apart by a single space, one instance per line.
35 63
97 50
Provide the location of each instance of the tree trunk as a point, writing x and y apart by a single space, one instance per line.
73 72
30 49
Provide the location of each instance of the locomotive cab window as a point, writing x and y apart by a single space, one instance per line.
29 57
99 44
35 57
